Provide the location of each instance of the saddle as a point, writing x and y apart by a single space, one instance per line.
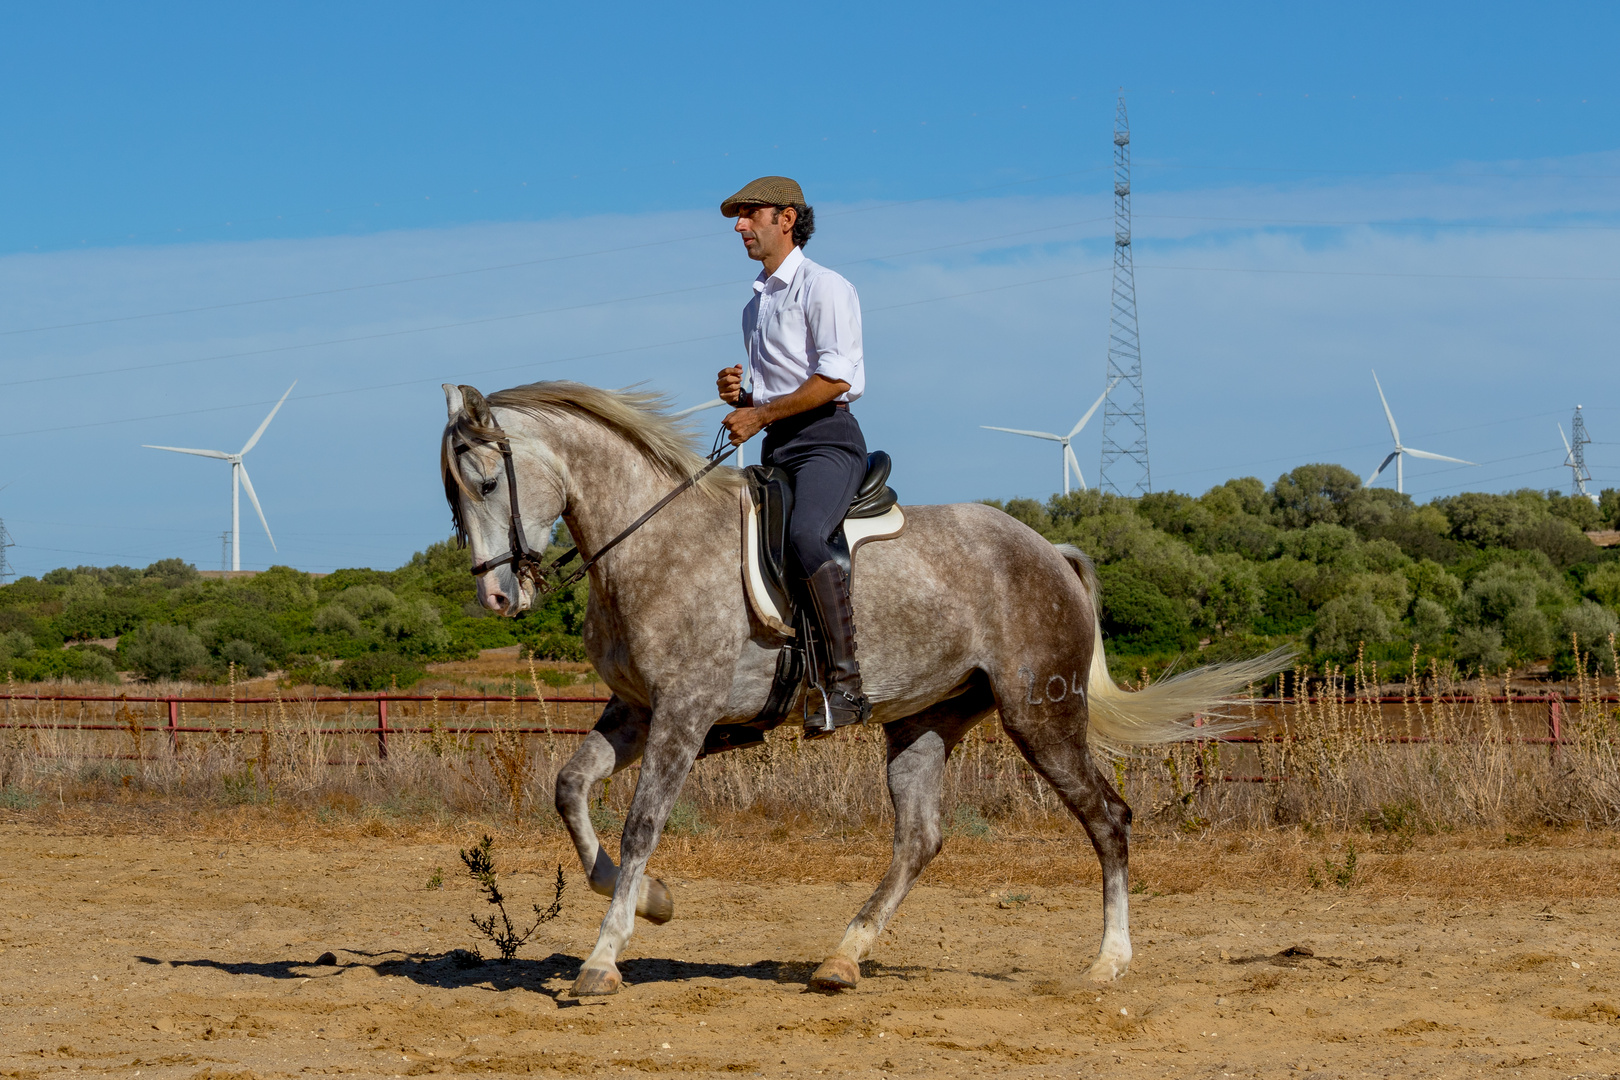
767 504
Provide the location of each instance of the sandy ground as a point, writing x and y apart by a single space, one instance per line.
193 957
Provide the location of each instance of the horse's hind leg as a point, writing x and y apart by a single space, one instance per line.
919 747
1056 747
615 744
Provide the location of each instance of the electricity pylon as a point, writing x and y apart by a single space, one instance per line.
1124 469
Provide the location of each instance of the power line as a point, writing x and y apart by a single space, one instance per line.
1383 224
527 364
525 314
338 290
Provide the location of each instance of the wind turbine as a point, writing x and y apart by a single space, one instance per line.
239 479
1398 455
1069 460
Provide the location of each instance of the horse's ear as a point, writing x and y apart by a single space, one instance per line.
475 406
453 401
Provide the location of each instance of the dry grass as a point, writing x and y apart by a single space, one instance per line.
1334 764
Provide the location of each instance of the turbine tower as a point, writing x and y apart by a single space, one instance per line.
239 480
1069 460
1575 452
1398 455
1124 469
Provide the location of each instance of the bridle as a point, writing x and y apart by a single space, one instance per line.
527 562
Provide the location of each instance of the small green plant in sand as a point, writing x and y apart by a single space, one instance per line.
436 879
497 927
1342 874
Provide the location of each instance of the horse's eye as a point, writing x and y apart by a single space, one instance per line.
486 487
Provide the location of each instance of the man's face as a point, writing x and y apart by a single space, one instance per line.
766 231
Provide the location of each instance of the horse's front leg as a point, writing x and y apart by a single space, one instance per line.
672 747
615 744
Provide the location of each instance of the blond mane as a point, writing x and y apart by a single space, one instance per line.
638 415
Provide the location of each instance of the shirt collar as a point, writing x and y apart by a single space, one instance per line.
784 273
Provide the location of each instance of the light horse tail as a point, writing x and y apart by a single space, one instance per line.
1163 712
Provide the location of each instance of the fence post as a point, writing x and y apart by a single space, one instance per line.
1199 779
174 725
1555 724
382 725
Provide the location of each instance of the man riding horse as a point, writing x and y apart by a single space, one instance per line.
802 333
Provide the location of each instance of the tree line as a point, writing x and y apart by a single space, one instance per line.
1317 561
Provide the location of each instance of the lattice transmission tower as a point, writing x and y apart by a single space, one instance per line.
5 564
1576 457
1124 469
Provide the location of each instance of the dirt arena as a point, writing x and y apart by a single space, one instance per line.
189 951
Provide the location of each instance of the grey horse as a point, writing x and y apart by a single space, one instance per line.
965 615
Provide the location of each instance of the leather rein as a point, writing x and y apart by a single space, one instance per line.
527 562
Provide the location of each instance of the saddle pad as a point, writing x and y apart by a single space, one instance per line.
769 605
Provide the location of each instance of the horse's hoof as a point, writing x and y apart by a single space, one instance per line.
596 982
836 973
657 906
1106 970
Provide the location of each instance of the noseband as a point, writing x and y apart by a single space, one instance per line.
526 562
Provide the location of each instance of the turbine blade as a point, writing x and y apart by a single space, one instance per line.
1393 454
182 450
1094 406
247 485
715 404
251 443
1074 463
1568 451
1436 457
1393 430
1031 434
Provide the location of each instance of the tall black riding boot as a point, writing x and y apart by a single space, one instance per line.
828 589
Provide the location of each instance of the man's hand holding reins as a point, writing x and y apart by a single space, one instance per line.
748 421
729 383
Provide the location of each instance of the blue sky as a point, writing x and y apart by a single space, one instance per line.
373 199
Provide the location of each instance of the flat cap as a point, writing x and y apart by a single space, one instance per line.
766 191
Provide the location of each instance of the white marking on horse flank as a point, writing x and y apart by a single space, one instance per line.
1067 686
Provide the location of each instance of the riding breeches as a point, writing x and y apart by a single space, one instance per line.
824 452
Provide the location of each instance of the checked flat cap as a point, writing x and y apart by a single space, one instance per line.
766 191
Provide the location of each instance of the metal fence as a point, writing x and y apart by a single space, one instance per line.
377 716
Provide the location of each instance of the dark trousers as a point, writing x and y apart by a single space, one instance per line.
824 452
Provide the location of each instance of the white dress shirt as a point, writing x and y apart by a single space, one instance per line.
804 320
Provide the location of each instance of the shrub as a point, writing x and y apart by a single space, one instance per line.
367 601
1603 585
1480 647
171 573
337 619
15 644
554 645
415 627
163 651
1429 622
1590 625
1347 621
249 661
373 671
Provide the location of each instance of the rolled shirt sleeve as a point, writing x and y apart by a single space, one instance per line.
832 312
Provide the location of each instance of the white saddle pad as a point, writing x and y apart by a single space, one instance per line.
769 605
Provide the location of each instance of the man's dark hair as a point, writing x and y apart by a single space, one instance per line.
804 226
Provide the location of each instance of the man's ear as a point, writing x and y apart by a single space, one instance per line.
476 407
453 401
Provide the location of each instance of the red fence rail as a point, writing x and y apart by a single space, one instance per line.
1553 703
174 728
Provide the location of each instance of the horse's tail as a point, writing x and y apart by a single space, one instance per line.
1163 712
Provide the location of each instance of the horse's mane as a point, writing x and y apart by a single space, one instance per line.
637 415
